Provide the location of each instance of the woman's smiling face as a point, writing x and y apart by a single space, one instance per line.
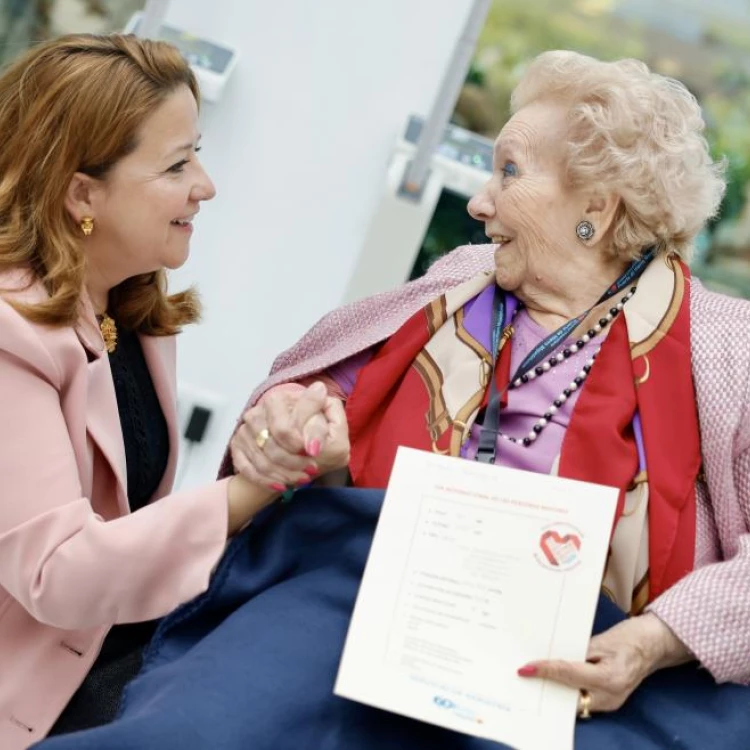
526 206
144 207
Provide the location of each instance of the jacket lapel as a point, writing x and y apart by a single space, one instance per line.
102 415
103 421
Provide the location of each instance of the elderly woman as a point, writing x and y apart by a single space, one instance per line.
610 367
577 345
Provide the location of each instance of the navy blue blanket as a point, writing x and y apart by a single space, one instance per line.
250 665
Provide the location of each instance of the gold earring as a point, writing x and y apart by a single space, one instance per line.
87 225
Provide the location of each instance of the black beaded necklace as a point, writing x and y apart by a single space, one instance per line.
575 384
569 351
541 355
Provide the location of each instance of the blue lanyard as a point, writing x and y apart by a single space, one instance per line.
490 428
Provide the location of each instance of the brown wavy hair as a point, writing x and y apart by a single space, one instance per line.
76 104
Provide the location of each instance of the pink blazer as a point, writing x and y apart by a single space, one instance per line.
73 559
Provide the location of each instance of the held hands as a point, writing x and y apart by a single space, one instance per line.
617 661
290 436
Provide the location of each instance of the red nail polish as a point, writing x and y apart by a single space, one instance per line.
312 471
528 671
313 448
278 487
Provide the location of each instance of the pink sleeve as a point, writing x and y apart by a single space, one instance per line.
66 565
340 378
345 373
709 609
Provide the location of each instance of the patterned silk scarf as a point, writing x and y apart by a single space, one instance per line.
429 381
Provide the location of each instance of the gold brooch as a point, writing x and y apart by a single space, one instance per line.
109 333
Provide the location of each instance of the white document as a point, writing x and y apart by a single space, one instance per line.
474 571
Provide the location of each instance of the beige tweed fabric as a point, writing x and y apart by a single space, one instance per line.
710 608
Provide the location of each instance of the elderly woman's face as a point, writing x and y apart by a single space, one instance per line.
526 206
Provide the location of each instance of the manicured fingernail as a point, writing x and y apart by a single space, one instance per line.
278 487
302 483
313 448
312 471
528 671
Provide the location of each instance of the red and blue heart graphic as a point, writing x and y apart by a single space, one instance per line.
561 550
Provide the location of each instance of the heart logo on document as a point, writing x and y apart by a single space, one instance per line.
560 549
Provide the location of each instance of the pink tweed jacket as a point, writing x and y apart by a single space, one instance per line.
709 609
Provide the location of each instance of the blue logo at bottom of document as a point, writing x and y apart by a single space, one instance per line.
462 712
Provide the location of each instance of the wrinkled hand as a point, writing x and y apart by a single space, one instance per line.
336 450
308 432
617 661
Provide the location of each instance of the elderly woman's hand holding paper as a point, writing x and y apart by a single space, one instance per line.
616 663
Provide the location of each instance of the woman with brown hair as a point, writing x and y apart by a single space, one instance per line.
99 185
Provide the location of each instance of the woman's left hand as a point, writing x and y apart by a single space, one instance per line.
617 661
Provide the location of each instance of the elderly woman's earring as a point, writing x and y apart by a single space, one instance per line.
585 230
87 225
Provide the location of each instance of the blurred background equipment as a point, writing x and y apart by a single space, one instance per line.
418 180
151 19
212 62
407 233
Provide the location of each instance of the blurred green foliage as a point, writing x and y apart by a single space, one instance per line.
518 30
25 22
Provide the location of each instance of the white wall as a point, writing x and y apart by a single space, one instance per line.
298 148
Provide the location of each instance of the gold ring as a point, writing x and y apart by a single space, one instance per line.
262 438
584 705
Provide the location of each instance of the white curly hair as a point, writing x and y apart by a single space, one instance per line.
636 134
